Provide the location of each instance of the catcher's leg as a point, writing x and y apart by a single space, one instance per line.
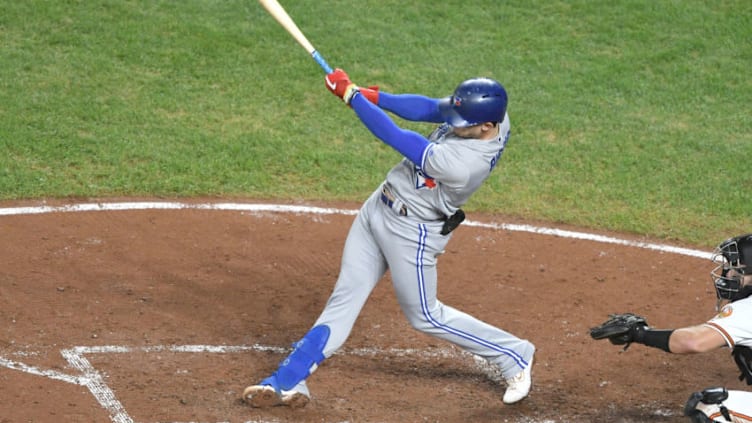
691 411
287 385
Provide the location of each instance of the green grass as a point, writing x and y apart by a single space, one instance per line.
626 115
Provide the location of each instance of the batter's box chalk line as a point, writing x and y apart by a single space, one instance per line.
94 381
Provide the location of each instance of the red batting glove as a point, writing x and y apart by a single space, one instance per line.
340 85
371 93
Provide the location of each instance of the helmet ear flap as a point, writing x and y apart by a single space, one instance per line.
745 255
738 251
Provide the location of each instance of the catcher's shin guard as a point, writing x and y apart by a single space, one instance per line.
702 405
304 359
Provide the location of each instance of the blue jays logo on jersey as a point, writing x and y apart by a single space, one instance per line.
422 180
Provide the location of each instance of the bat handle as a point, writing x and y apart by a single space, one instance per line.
320 60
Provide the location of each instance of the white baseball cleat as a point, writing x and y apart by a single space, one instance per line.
263 396
519 385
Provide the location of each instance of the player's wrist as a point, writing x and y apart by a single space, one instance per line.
350 93
652 337
371 93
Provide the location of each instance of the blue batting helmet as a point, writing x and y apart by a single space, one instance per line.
475 101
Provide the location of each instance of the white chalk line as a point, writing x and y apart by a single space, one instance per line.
52 374
279 208
94 381
98 387
105 396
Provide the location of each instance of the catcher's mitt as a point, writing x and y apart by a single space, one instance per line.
619 328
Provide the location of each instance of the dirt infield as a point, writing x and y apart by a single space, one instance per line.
158 314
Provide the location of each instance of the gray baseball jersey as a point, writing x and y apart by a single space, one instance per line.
402 234
459 164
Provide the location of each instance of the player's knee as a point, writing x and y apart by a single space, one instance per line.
429 320
418 320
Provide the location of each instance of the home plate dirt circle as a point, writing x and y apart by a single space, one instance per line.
156 311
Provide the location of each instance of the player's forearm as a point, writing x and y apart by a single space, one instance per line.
412 107
689 340
408 143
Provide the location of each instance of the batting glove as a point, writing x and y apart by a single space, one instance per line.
371 93
340 85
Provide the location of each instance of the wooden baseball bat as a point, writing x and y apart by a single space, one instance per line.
278 12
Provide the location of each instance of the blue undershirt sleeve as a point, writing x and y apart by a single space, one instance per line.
408 143
411 107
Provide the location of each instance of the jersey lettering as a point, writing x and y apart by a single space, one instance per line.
495 160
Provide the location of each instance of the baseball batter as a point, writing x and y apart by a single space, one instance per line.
731 327
404 227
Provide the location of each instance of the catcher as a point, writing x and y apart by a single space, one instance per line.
730 327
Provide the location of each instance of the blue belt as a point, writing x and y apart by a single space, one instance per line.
388 198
